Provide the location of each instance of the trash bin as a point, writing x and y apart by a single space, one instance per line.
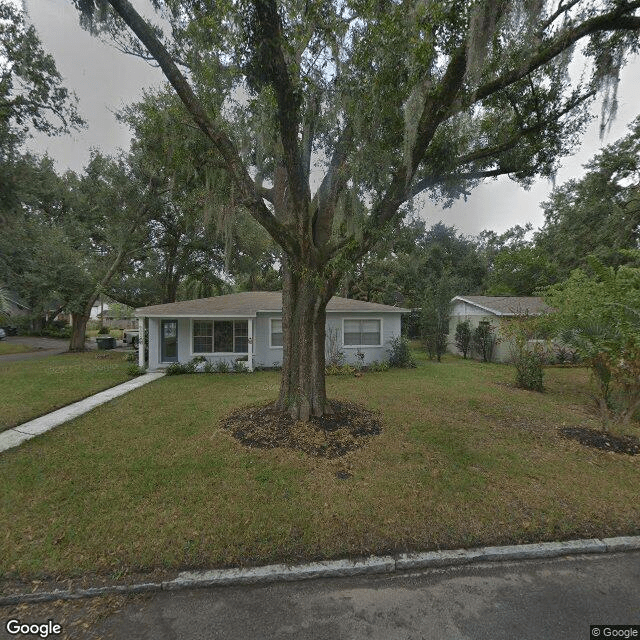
106 342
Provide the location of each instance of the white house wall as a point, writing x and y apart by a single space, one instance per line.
266 356
463 311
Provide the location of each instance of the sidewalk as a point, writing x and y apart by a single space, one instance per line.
16 436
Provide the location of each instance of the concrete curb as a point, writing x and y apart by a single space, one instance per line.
17 435
343 568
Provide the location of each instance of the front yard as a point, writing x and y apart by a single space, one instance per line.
30 388
150 480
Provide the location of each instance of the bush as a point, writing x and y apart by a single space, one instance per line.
104 331
463 338
176 368
135 370
131 357
529 371
239 366
400 355
484 340
340 369
222 366
378 366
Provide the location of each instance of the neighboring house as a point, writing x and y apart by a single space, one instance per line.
13 307
495 309
248 327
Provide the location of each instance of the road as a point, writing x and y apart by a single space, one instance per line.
533 600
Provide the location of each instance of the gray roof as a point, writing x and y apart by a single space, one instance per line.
508 305
249 303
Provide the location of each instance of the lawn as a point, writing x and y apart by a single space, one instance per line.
30 388
13 347
151 481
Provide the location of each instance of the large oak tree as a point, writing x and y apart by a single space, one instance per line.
389 99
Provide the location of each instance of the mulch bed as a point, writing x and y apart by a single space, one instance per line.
349 427
603 440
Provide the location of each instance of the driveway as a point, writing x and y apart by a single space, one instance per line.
529 600
42 347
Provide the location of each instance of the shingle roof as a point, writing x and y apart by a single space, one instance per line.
250 302
508 305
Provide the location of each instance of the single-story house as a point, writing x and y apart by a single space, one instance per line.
248 327
496 310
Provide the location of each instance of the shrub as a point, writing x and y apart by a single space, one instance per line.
463 337
135 370
400 355
378 366
484 340
222 366
239 366
103 331
208 367
176 368
131 357
340 370
529 371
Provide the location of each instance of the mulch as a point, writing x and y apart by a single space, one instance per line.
603 440
347 428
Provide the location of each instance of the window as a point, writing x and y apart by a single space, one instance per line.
220 336
276 332
202 336
361 333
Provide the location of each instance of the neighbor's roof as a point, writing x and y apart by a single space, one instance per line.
508 305
250 302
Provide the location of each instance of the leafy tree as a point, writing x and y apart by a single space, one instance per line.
484 340
463 337
598 314
598 214
436 312
399 99
197 239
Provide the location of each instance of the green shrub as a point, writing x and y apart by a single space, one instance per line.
104 331
400 355
463 338
378 366
340 369
208 367
131 357
529 371
135 370
239 366
484 340
222 366
176 369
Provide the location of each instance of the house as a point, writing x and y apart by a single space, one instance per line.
248 327
495 309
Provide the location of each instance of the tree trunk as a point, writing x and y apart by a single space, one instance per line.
78 331
304 303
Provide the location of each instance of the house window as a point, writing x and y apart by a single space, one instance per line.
202 336
276 332
362 333
220 336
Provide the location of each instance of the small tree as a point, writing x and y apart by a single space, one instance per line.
598 315
527 352
463 337
434 320
484 340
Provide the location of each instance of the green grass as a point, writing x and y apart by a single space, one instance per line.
13 347
30 388
151 481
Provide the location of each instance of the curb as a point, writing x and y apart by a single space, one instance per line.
342 568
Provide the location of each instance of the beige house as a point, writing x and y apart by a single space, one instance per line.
495 309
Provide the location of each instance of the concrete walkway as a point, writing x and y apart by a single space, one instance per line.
16 436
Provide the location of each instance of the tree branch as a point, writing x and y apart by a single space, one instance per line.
234 165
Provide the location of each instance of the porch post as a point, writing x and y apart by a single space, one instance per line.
250 347
141 341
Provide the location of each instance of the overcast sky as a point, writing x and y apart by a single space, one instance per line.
105 80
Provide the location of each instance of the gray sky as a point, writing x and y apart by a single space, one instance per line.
105 79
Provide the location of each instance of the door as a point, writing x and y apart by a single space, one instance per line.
169 340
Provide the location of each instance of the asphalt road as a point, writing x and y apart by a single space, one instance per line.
533 600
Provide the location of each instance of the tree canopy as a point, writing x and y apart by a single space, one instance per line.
388 99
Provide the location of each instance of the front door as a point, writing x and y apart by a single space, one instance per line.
169 340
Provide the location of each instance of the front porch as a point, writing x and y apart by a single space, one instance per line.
180 339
